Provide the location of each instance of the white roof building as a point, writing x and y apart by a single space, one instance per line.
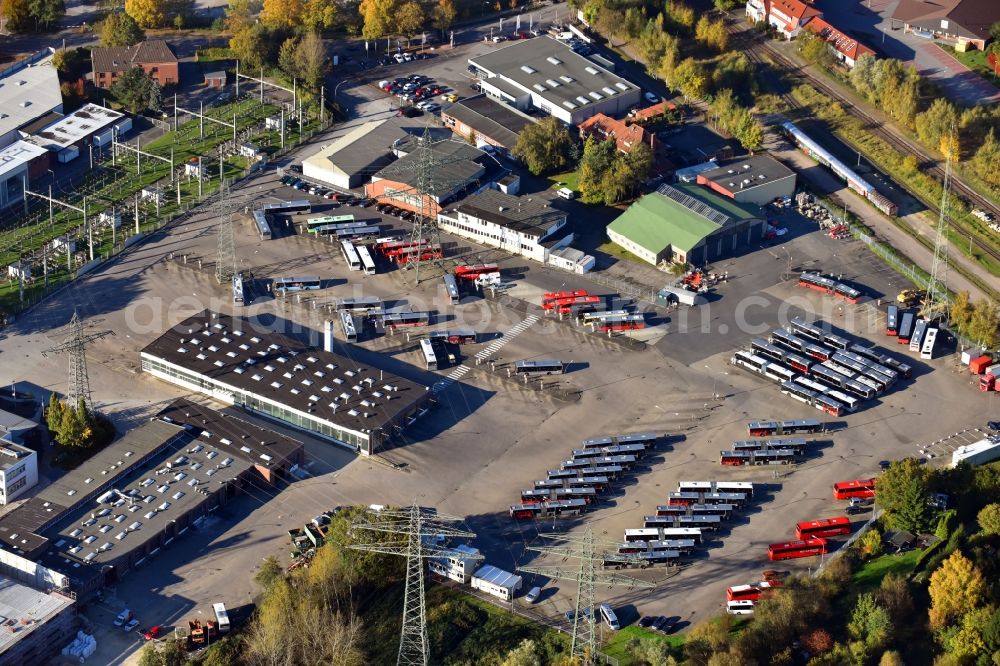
76 127
29 89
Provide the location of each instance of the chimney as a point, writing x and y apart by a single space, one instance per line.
328 335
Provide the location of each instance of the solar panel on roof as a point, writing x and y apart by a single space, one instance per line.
694 205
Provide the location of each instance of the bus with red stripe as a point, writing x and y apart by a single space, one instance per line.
751 592
862 488
825 527
794 549
472 272
560 295
567 303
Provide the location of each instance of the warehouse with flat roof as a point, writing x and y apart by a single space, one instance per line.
267 373
545 74
38 624
754 179
29 90
686 223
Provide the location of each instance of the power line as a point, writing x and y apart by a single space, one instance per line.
76 345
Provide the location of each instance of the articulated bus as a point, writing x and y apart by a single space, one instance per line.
751 592
350 255
597 442
624 461
701 522
861 488
389 248
779 373
394 320
642 559
563 305
765 457
863 391
795 549
745 487
835 341
829 377
873 354
735 499
347 324
826 527
793 427
367 262
825 403
283 207
663 533
724 510
818 282
780 336
554 508
798 363
818 352
797 392
598 317
454 337
683 499
765 349
816 387
547 367
892 320
850 403
353 232
430 359
870 363
846 292
287 285
797 444
237 290
475 271
632 322
683 546
905 328
749 361
562 295
366 305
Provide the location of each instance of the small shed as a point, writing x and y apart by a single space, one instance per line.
64 243
251 151
902 540
273 123
215 79
19 271
497 582
194 168
151 195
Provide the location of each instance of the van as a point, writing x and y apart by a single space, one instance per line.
609 617
123 617
740 607
533 595
565 193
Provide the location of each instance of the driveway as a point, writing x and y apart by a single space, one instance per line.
870 22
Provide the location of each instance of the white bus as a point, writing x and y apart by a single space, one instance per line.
367 263
930 337
287 285
452 288
347 323
350 255
430 358
221 616
237 290
539 367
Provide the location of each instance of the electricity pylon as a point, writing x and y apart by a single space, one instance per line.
411 532
76 344
584 548
936 302
225 261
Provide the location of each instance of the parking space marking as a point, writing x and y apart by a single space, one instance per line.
491 349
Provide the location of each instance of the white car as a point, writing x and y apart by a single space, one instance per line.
132 624
651 98
431 108
398 58
407 57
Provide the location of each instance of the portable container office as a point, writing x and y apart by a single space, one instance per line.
499 583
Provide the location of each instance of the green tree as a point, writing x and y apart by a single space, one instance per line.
902 492
967 642
711 33
379 17
120 29
137 91
287 61
727 5
598 160
689 77
955 587
870 622
410 18
650 651
961 311
150 656
863 77
679 14
251 45
282 14
269 572
311 60
870 544
46 13
241 14
749 132
319 15
989 519
891 658
936 122
995 31
525 654
982 326
544 146
814 49
54 414
16 14
894 595
147 13
443 15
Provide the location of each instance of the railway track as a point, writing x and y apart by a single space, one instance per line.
875 127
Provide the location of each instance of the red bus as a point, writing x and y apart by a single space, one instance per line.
567 303
795 549
559 295
863 488
472 272
826 527
432 252
751 592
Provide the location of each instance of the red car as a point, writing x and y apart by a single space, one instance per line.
437 91
153 632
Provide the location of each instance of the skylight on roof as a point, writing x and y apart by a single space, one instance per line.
609 91
567 79
596 95
276 385
569 105
592 70
582 100
554 60
552 83
621 86
539 87
527 69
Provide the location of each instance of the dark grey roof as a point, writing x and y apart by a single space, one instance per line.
20 530
455 164
551 69
234 435
244 355
366 150
120 58
490 118
758 169
515 213
41 123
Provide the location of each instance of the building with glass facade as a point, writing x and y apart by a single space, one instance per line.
238 363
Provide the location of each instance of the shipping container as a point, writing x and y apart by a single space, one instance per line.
979 364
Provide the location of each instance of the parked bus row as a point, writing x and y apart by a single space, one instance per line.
777 428
908 329
810 538
678 526
263 217
830 286
589 473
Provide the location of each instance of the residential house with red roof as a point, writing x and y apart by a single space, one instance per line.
153 56
787 16
626 136
846 49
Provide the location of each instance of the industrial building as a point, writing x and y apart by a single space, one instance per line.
486 122
68 135
37 623
459 171
266 373
352 160
19 163
519 225
686 223
754 179
29 90
545 74
119 508
18 470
